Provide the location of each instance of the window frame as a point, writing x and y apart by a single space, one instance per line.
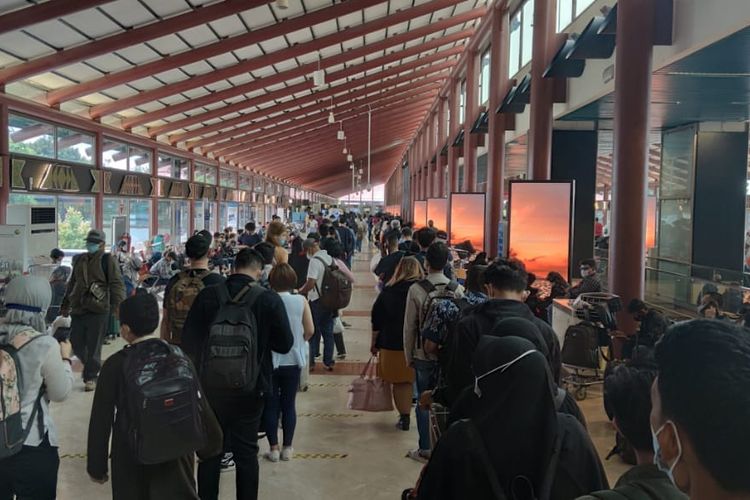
172 158
55 140
484 83
516 61
129 154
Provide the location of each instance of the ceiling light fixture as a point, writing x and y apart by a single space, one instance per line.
319 76
349 157
331 118
282 4
340 134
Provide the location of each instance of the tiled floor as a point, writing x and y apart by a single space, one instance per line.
342 454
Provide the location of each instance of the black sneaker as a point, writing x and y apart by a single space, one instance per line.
404 422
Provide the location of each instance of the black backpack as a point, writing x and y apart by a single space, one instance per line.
162 398
581 346
231 360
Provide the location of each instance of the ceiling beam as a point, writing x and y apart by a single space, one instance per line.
294 89
223 46
403 105
316 101
53 9
270 59
233 135
302 70
127 38
305 113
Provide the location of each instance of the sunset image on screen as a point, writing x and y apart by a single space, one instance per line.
540 226
437 212
420 214
650 222
467 219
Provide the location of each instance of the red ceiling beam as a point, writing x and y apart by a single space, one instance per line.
207 51
324 140
54 9
294 89
332 169
401 105
318 104
256 131
269 59
304 113
303 70
195 17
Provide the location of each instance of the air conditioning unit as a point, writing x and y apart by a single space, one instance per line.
40 231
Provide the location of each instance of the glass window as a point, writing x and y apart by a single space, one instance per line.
515 45
484 77
228 179
75 146
582 5
527 32
246 183
139 160
112 208
176 168
115 155
31 137
205 173
564 14
140 222
164 219
76 218
229 215
447 121
258 185
198 223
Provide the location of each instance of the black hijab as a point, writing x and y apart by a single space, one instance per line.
515 414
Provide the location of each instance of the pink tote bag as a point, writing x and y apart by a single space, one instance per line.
369 392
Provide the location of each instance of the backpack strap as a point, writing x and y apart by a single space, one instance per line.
497 490
551 472
427 286
452 286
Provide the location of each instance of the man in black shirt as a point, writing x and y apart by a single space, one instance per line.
590 282
239 413
250 238
386 268
406 239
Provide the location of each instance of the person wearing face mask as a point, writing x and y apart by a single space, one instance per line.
514 444
700 409
239 412
95 290
590 281
627 399
277 235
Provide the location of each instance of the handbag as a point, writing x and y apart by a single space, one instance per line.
370 392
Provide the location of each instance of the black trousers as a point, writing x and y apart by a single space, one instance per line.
86 334
240 422
31 474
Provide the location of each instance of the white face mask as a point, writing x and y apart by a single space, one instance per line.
658 460
500 369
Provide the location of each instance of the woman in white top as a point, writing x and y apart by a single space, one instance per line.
46 375
287 367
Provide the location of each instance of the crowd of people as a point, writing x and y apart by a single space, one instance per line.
220 360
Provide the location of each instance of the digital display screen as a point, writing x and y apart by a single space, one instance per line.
539 226
420 214
650 222
467 219
437 212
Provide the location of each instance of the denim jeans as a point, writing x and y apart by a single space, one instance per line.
323 320
240 426
281 401
425 380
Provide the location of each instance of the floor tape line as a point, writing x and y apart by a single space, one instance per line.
329 415
300 456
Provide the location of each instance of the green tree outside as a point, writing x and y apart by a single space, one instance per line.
73 229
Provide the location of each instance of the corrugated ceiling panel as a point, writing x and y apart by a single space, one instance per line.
325 28
299 36
350 20
138 54
79 72
23 45
169 44
395 29
240 79
128 13
198 35
109 63
49 81
10 5
195 93
223 60
197 68
376 12
258 17
285 65
168 8
171 76
56 34
93 23
228 26
121 91
248 52
274 44
148 83
94 99
375 36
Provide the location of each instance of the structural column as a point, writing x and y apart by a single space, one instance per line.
635 25
540 131
438 148
5 164
496 132
470 157
99 199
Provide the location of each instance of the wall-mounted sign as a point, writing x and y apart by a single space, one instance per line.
32 174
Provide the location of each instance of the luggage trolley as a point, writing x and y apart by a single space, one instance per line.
583 350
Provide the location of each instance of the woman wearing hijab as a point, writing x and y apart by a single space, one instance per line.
514 445
45 369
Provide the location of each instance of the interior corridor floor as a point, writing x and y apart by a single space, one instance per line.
340 453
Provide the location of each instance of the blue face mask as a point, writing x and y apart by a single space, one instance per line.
92 247
282 242
658 460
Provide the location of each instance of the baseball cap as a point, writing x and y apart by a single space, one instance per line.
95 236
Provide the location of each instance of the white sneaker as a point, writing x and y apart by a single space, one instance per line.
272 456
287 453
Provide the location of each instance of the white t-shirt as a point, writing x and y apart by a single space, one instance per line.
316 270
297 356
